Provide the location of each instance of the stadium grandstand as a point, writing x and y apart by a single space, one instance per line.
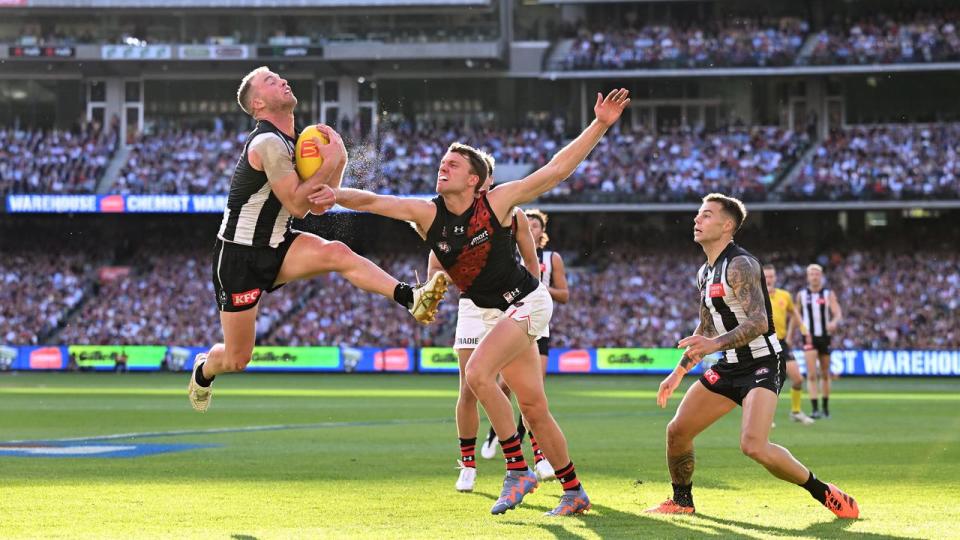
836 123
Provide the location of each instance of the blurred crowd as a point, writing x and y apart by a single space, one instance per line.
736 43
883 162
629 298
181 162
887 40
38 291
54 161
682 165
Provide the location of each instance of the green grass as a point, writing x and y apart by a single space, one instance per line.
374 456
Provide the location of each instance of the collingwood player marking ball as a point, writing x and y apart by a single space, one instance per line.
307 157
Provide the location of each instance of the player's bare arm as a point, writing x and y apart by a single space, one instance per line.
526 245
608 111
705 328
743 275
559 290
272 157
420 212
836 314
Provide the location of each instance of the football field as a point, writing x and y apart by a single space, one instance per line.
354 456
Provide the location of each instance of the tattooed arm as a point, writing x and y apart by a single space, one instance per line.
743 276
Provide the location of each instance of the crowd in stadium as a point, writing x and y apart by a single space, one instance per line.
682 164
890 298
181 162
884 39
878 38
883 162
741 42
38 291
53 160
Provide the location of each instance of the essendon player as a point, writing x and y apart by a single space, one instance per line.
735 318
256 251
471 238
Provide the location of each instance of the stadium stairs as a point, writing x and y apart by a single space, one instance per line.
780 186
557 53
113 169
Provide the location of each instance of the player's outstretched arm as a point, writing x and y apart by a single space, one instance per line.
744 277
608 110
418 211
705 328
270 155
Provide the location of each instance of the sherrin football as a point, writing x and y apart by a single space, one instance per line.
308 158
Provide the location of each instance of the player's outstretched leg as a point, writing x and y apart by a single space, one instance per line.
758 409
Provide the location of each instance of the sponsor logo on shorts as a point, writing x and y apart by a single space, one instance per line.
716 290
246 298
468 341
222 298
711 376
510 295
761 371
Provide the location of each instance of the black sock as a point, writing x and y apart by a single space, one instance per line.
568 478
491 435
201 380
683 495
816 488
403 294
826 405
813 403
521 429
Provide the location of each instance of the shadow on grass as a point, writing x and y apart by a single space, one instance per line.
243 537
822 529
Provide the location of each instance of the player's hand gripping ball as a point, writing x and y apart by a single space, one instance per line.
308 154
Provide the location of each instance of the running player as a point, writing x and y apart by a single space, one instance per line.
735 317
814 302
554 276
471 328
470 237
257 251
786 319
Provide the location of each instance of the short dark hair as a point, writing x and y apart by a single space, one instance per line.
481 163
732 206
243 93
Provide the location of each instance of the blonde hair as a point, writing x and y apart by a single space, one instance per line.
814 266
246 85
541 216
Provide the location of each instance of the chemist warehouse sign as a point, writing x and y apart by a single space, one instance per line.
891 363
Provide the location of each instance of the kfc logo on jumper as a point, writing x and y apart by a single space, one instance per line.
711 376
246 298
716 290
